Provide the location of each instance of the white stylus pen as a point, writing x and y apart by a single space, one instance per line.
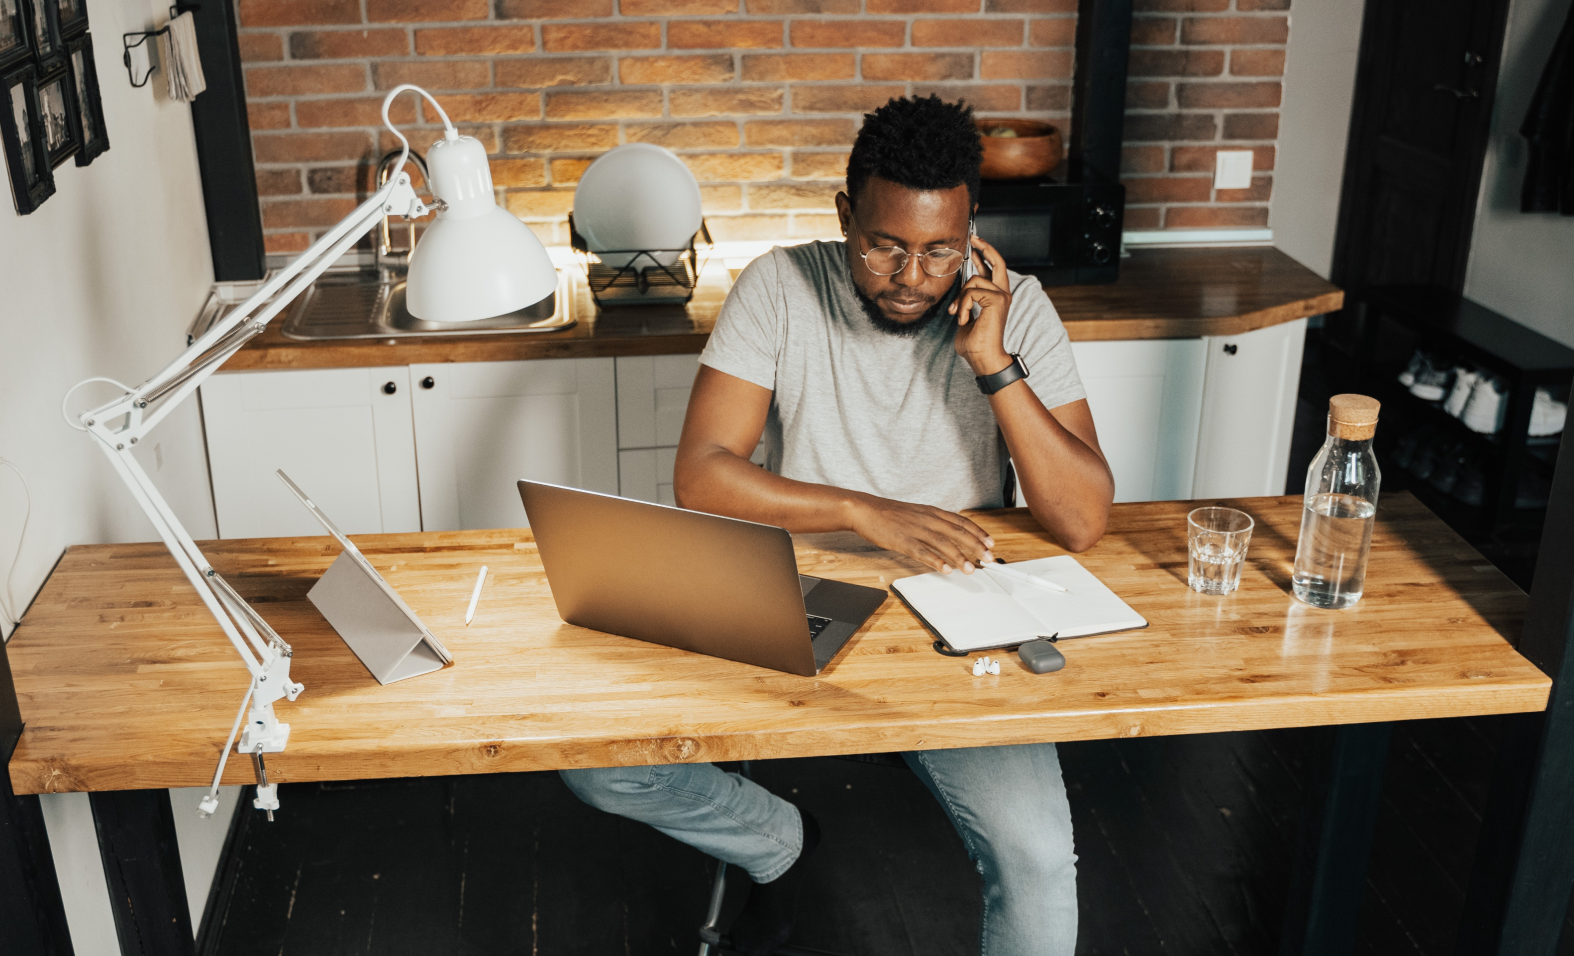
475 595
1024 577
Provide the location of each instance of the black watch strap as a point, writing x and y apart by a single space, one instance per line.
990 384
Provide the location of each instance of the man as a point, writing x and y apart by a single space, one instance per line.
865 369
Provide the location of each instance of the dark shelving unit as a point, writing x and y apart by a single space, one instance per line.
1374 338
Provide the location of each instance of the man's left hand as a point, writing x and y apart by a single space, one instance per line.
981 341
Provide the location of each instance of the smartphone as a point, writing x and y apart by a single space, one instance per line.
968 269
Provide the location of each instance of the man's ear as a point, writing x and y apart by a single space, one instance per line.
844 212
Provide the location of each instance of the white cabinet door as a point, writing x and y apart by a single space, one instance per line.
646 474
481 426
1248 412
341 434
1146 397
653 395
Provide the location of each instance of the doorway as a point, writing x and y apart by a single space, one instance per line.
1424 88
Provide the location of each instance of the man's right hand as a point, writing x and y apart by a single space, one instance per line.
940 539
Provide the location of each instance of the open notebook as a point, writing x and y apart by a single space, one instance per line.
981 611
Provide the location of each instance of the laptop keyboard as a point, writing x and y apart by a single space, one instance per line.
816 625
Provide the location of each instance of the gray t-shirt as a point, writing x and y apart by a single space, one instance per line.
858 408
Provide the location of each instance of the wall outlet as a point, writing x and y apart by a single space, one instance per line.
1232 169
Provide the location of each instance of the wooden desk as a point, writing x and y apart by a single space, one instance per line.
125 682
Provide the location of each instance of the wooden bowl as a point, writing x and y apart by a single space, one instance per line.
1034 151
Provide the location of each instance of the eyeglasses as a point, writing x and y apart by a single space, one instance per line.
889 260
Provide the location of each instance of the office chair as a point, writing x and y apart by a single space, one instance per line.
711 939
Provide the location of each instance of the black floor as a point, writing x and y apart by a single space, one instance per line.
1185 847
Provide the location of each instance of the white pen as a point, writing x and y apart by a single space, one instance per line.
475 595
1024 577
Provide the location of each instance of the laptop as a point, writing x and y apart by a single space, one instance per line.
694 581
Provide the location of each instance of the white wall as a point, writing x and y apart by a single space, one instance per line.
1520 262
1314 125
102 280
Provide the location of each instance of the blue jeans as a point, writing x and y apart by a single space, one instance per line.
1007 803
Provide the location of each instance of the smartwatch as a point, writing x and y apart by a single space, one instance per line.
990 384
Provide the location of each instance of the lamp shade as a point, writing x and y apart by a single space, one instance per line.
477 260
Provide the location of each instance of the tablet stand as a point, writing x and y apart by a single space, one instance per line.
377 629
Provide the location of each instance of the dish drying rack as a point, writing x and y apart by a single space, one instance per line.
644 279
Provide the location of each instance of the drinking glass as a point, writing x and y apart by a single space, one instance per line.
1216 540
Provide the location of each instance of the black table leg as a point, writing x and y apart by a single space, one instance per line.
32 916
147 893
1524 866
1336 840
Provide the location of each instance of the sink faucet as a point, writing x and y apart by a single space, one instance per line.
387 260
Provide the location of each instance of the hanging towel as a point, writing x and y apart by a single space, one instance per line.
177 47
1549 126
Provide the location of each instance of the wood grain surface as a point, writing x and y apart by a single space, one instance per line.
125 682
1161 294
1187 293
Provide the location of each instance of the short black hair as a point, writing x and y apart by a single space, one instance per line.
920 143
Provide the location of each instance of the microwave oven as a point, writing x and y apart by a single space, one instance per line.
1064 233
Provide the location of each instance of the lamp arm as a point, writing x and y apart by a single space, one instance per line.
120 424
169 388
395 197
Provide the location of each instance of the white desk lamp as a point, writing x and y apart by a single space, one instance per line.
476 261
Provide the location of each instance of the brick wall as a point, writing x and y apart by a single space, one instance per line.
761 98
1204 75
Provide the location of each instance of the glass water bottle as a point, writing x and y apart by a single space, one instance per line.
1341 503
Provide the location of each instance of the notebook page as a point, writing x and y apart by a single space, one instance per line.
1090 608
971 611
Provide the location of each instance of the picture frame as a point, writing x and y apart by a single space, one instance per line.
14 43
58 117
21 133
89 109
43 33
71 15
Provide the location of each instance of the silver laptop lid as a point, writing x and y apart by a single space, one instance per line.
694 581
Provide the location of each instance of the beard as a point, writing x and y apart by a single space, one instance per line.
908 329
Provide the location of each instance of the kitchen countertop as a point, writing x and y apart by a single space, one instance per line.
1161 294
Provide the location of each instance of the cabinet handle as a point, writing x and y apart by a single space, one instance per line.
1465 94
389 388
428 382
1230 349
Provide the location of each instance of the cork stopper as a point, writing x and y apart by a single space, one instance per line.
1352 417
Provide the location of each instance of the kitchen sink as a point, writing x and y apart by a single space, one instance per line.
362 305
